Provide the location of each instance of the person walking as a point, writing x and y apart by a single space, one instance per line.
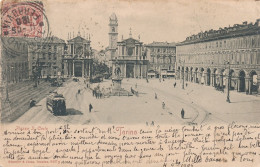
163 105
155 96
90 107
182 113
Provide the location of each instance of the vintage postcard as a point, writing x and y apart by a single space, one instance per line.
128 83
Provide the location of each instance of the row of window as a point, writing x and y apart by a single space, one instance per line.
45 56
49 47
164 50
162 60
234 43
45 63
49 73
235 58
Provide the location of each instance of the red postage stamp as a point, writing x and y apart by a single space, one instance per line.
22 19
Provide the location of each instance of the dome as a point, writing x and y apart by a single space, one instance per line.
113 17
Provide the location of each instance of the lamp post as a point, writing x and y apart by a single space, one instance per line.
228 84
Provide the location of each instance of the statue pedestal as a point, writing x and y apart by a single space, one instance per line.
117 83
117 90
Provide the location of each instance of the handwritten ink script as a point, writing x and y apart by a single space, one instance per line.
169 146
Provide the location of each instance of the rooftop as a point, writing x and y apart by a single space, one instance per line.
162 44
227 32
79 39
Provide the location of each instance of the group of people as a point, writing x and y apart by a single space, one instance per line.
219 88
97 93
152 123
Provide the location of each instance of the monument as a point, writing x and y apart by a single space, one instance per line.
117 90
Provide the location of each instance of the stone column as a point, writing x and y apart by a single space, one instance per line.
247 80
250 84
142 70
125 70
221 80
238 84
69 68
83 68
205 78
199 77
195 77
233 78
181 74
213 80
134 70
258 83
178 74
65 68
73 68
89 69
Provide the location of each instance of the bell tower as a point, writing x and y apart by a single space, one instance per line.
113 33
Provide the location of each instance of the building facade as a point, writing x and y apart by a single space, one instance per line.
162 57
130 59
211 57
77 59
45 56
14 65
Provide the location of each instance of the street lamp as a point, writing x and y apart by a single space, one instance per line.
228 84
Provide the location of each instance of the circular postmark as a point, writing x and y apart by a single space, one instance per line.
24 24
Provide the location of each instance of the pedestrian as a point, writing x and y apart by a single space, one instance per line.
155 96
136 85
93 93
90 107
186 84
163 105
152 123
174 84
182 113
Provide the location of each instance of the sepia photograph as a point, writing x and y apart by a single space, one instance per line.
134 63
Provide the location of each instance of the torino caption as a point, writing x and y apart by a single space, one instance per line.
185 146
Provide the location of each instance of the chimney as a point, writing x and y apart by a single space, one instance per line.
258 22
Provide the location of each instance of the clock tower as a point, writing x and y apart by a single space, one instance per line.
113 33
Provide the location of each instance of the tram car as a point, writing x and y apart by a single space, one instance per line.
56 104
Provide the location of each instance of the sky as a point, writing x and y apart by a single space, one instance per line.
160 21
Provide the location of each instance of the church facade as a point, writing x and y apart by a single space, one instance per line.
127 56
77 58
